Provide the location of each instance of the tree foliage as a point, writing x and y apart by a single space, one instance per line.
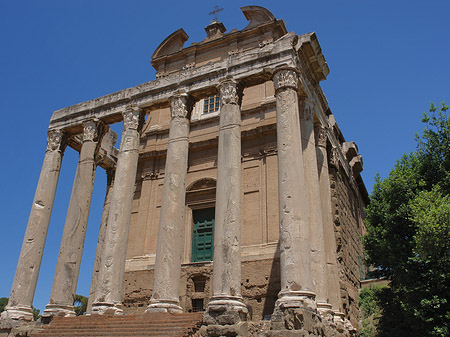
3 303
408 235
370 310
80 303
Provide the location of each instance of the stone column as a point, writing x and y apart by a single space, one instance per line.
165 296
328 226
110 278
24 285
296 281
69 259
101 239
226 307
318 262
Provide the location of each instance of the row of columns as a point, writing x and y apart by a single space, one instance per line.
305 226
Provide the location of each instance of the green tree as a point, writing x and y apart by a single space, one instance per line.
408 235
80 304
370 310
3 303
36 312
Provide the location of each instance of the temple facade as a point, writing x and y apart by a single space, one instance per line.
233 190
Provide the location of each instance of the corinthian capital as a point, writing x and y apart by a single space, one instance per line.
321 136
131 117
180 106
285 78
229 92
90 131
54 140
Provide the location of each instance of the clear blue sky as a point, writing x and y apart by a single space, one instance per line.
387 59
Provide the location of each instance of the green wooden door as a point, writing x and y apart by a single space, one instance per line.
203 235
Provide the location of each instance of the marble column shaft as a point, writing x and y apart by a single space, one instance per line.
318 264
165 296
69 259
296 280
110 278
101 239
227 227
328 225
24 285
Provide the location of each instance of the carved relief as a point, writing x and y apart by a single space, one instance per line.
228 93
306 111
131 117
54 140
334 158
285 79
179 106
89 131
321 137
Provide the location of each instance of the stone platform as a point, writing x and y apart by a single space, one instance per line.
155 324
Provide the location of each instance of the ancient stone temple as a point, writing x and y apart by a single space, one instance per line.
232 192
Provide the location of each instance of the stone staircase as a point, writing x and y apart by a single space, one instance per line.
149 324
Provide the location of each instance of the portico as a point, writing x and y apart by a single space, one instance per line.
267 82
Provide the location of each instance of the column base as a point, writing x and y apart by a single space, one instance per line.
225 316
164 306
24 313
105 308
326 312
58 310
296 314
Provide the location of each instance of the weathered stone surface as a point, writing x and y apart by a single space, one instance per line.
72 243
226 307
296 281
25 279
318 265
110 279
328 225
101 240
166 291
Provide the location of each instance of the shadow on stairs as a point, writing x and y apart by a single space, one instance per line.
148 324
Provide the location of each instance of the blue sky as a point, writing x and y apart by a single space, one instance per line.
387 59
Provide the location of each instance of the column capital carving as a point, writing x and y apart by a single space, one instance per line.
230 92
180 106
285 78
321 137
306 110
334 158
131 117
91 130
55 140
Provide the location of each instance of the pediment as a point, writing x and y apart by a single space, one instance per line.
257 15
171 44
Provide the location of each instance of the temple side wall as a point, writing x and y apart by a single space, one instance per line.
347 210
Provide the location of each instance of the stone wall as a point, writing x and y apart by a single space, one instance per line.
260 287
347 208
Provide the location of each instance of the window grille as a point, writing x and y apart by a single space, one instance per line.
211 104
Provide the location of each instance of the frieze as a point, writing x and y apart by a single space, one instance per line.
54 140
285 78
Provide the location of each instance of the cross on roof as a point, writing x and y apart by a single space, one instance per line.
216 11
